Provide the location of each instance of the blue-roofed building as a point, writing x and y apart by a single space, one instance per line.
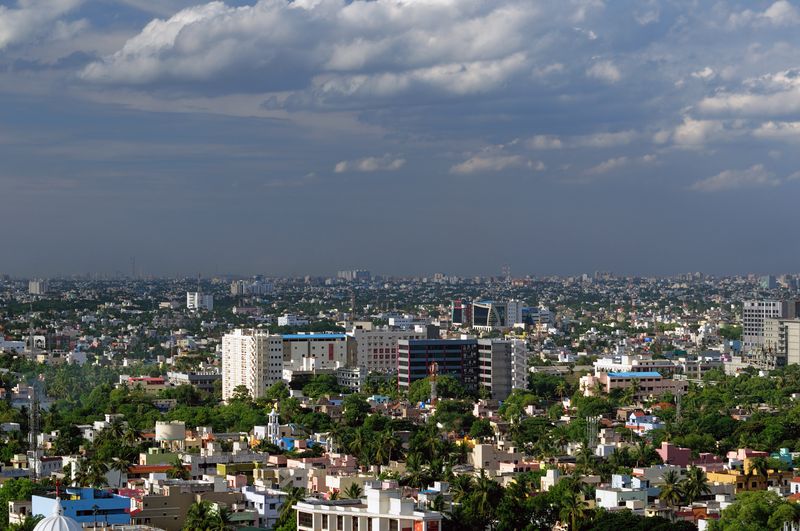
86 506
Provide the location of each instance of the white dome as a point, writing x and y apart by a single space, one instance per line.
58 522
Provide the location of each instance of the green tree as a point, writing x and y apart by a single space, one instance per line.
354 491
756 510
355 409
201 516
696 484
671 488
177 469
481 429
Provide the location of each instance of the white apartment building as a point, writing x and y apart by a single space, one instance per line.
38 287
196 300
382 509
292 320
376 347
307 352
252 358
754 313
633 363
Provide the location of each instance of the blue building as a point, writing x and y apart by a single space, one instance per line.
86 506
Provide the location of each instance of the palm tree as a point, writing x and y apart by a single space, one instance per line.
415 475
759 466
574 508
222 520
354 491
293 495
200 516
120 465
485 498
696 484
178 471
461 487
671 488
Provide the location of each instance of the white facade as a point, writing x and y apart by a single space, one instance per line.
753 315
308 352
252 358
38 287
292 320
376 349
196 300
384 509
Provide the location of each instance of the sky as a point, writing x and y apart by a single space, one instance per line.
277 137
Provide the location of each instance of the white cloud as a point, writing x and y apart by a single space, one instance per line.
696 133
493 163
754 176
605 71
608 165
333 47
370 164
32 19
545 142
789 131
706 73
780 13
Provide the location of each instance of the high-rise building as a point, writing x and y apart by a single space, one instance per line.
309 352
494 362
781 343
519 364
252 358
354 275
38 287
754 312
196 300
453 357
376 347
768 282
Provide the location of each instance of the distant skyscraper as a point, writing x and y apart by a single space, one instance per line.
768 282
354 275
196 300
38 287
494 370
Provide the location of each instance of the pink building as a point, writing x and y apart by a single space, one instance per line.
673 455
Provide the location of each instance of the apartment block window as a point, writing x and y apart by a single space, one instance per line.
325 521
305 519
339 523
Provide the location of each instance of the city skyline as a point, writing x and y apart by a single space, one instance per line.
646 138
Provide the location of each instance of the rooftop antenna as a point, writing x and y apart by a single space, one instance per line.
433 370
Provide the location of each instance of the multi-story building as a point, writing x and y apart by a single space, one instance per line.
307 352
755 312
292 320
203 381
196 300
376 347
86 506
453 357
633 363
781 343
494 360
354 275
252 358
519 364
383 508
38 287
646 385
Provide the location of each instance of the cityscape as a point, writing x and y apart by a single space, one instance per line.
399 265
359 401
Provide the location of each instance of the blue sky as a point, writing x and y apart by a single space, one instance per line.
644 137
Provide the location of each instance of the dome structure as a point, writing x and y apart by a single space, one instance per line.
58 522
